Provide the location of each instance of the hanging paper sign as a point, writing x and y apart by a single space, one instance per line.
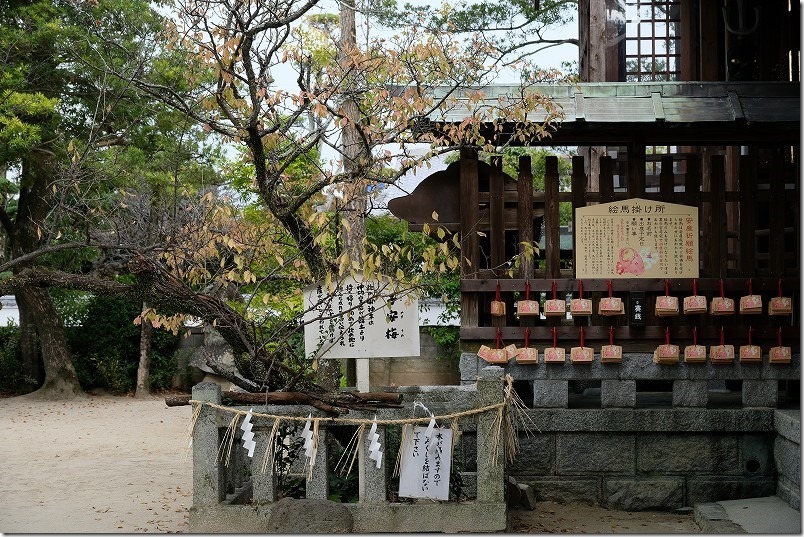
360 319
425 465
636 238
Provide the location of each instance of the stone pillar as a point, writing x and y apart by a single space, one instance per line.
374 481
550 394
617 393
264 487
690 393
490 470
318 487
762 393
209 476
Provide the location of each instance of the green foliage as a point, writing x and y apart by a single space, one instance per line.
11 376
106 348
448 340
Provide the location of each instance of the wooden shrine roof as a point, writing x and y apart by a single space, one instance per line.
693 113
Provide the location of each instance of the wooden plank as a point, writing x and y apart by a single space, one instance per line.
470 246
583 40
776 219
667 179
606 179
551 218
678 286
497 217
525 214
748 217
790 334
578 198
717 228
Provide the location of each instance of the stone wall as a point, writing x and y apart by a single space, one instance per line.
647 459
787 456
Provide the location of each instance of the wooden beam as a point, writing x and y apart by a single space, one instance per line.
717 244
578 198
497 216
606 179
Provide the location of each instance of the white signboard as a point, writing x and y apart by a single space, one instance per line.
424 470
360 319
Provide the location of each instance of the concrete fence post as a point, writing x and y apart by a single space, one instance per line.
209 476
490 469
374 482
318 487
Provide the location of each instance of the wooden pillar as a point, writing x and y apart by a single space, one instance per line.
497 217
525 214
692 194
578 198
551 219
470 218
606 182
717 229
636 170
667 179
748 218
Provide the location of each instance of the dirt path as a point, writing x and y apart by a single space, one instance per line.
104 464
116 465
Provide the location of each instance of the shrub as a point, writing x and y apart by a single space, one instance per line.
106 347
11 375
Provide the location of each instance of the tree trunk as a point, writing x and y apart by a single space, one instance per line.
143 369
29 349
61 381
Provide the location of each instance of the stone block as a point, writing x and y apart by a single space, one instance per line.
582 490
756 454
527 497
643 494
787 457
787 423
290 515
468 487
592 453
712 518
702 489
688 453
690 393
640 366
789 492
469 366
550 393
617 393
763 393
536 455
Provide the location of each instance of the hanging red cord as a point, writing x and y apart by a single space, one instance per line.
722 295
555 337
580 289
695 287
779 336
498 339
750 331
527 289
750 287
497 292
610 289
722 337
611 335
667 288
527 337
780 288
582 337
695 335
667 335
554 290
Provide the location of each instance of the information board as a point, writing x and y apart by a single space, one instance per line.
425 466
636 238
360 319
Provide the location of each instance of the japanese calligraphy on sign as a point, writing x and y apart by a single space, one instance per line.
424 469
636 238
360 319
